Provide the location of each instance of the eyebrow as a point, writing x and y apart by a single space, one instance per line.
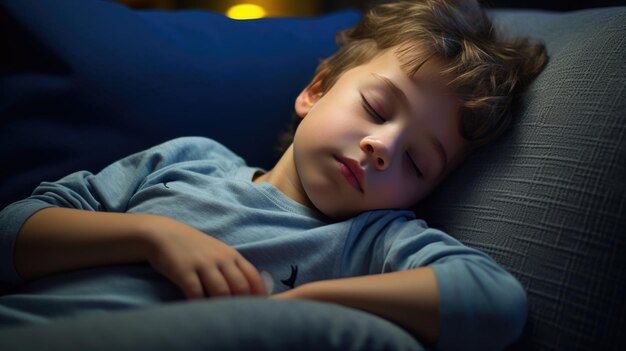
397 92
401 96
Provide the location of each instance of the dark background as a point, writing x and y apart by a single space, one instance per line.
314 7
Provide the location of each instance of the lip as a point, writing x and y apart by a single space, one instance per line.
352 171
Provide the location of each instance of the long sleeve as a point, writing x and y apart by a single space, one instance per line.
109 190
482 306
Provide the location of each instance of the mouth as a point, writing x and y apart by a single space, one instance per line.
352 171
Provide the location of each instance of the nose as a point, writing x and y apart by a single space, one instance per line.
380 151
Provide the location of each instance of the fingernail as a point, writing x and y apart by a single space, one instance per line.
268 281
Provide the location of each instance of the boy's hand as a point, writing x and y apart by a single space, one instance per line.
199 264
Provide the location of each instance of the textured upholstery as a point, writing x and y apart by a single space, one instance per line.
548 200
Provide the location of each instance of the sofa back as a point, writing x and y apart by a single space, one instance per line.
548 200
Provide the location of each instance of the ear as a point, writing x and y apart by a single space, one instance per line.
310 95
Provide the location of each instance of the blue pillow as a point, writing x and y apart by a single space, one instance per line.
86 82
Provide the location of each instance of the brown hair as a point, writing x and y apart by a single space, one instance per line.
486 72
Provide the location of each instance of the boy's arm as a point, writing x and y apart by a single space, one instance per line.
408 298
60 239
78 222
445 293
473 308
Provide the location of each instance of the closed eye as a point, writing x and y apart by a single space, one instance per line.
371 111
417 169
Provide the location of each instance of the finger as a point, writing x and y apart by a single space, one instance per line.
257 286
192 287
214 282
236 279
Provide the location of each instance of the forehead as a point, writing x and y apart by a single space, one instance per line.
423 70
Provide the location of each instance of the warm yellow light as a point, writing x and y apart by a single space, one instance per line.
245 11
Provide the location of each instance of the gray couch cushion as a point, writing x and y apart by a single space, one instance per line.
241 323
548 200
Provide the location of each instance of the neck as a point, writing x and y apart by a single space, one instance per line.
284 176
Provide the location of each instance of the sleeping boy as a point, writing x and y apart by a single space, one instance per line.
414 88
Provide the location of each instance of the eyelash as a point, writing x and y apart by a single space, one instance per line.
417 170
375 115
371 111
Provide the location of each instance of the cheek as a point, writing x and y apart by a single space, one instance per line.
398 192
336 114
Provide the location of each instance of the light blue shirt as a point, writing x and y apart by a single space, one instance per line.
203 184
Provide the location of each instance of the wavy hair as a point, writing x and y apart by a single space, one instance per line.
485 71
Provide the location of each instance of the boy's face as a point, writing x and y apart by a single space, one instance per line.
378 139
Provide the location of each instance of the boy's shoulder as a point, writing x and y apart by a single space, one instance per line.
190 143
401 225
191 151
388 221
194 148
